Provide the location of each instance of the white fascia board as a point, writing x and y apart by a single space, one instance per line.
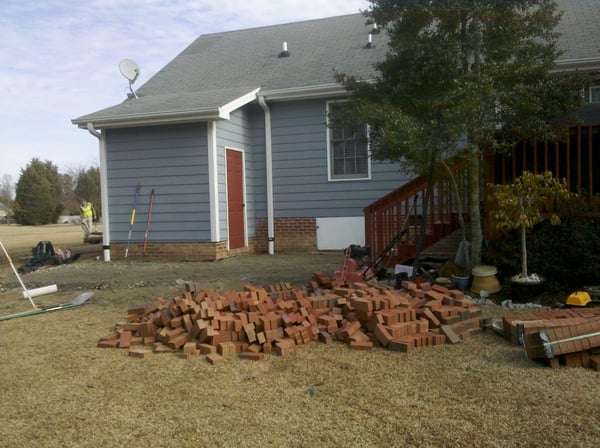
294 93
585 64
150 119
226 109
161 118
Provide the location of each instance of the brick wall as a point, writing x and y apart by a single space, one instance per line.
291 235
179 251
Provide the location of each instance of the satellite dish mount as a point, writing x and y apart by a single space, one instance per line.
130 70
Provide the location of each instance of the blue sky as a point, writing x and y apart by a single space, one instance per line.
59 59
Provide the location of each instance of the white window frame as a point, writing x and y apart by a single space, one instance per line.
594 88
330 176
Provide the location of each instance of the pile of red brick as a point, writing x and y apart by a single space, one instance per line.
569 337
274 320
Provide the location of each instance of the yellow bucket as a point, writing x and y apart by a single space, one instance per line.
579 298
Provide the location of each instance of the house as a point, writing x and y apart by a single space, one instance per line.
232 136
575 158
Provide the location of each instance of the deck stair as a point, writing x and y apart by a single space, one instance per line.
385 217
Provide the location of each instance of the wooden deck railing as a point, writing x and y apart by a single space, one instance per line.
574 159
384 218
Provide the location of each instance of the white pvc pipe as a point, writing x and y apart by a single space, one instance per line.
40 291
25 291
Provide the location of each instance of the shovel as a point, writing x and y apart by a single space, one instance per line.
81 299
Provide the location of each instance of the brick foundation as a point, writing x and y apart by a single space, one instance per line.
291 235
179 251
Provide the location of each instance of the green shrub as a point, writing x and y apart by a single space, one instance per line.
567 254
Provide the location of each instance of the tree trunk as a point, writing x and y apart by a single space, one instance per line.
523 241
423 220
461 220
524 250
475 200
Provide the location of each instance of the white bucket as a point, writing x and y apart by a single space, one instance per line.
40 291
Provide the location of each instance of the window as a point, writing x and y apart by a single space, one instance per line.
348 149
595 94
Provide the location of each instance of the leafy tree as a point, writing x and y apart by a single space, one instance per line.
38 194
68 198
88 187
7 187
6 193
471 71
520 205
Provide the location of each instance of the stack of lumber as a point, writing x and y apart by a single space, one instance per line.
569 337
258 321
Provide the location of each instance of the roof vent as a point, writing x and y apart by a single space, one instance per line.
375 29
284 51
370 42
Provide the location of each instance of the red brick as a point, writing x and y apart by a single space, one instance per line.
179 340
140 353
404 345
159 347
136 309
382 335
125 339
252 356
206 349
102 343
226 348
348 329
450 334
215 359
361 345
325 337
190 347
427 314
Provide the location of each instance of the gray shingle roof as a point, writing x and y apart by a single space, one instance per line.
580 32
217 69
211 71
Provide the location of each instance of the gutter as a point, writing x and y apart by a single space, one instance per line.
269 168
103 190
297 93
585 64
129 120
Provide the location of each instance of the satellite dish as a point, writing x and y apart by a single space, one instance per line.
130 70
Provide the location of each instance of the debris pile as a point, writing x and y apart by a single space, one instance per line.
274 320
569 337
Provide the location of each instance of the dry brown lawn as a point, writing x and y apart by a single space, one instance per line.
59 390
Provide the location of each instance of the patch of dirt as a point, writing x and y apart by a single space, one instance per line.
90 272
223 275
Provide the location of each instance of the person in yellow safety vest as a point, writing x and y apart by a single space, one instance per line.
88 216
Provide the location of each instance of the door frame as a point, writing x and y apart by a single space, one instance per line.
245 214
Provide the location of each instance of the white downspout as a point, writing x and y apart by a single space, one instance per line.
213 181
269 168
103 190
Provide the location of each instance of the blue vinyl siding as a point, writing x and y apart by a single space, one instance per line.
241 132
300 182
174 161
256 180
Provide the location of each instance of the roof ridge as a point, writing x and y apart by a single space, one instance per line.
279 25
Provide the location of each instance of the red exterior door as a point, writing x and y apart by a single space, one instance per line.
235 198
